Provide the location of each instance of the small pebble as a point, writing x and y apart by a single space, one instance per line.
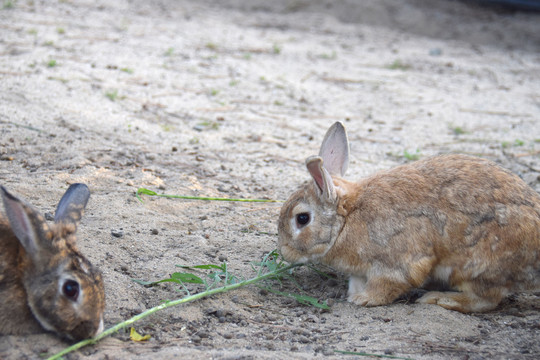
222 258
117 233
154 231
196 339
328 352
49 216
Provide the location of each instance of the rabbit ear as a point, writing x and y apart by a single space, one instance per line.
71 206
27 225
322 178
335 150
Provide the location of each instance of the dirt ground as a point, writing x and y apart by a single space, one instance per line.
227 98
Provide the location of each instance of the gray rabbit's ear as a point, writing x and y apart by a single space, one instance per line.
71 206
335 150
27 224
322 178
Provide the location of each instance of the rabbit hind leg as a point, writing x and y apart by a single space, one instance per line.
465 302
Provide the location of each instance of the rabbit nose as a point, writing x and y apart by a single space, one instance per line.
87 329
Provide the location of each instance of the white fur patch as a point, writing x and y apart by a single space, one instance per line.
442 273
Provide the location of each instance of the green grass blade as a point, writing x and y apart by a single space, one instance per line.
371 355
153 193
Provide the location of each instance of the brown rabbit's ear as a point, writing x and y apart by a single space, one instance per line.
322 178
71 206
27 225
335 150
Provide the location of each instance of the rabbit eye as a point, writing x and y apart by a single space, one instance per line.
71 289
302 219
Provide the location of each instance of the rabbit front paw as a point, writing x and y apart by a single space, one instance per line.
375 292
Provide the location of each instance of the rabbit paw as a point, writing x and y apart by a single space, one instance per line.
364 299
374 292
459 301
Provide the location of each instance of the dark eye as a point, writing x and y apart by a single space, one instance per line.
302 219
71 289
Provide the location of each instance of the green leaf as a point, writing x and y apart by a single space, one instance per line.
178 278
187 278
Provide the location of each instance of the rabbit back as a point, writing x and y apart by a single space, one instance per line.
454 219
12 292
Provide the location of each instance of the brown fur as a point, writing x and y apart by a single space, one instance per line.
456 219
30 283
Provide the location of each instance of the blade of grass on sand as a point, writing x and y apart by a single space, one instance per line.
153 193
371 355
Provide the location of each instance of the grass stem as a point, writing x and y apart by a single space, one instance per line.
153 193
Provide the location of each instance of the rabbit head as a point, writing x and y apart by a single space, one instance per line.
64 291
310 220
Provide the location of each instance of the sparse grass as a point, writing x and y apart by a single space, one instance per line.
51 63
127 70
57 78
331 56
217 280
167 128
169 51
211 46
214 92
61 31
398 65
458 130
48 43
112 94
207 125
276 49
516 143
411 156
8 4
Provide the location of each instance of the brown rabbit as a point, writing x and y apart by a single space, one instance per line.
456 220
45 283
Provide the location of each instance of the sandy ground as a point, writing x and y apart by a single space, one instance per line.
227 98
